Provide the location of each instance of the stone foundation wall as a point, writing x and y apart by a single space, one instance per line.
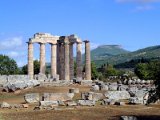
12 78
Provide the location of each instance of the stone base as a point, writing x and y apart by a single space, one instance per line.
86 82
57 83
40 77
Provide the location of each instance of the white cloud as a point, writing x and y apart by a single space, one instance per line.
137 1
11 43
140 5
15 54
143 8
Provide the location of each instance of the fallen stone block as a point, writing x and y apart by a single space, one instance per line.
92 96
12 86
112 87
16 106
97 96
32 98
117 95
41 76
108 102
71 103
86 102
58 96
122 87
104 87
20 85
5 105
136 100
86 82
61 103
128 118
46 104
95 88
25 105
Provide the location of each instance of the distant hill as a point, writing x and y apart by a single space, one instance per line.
106 51
147 53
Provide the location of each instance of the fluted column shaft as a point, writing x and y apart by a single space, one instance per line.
58 58
53 59
71 61
30 60
61 62
87 61
42 58
66 61
79 60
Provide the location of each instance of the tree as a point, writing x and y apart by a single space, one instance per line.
94 73
110 71
150 70
8 66
36 68
75 68
142 71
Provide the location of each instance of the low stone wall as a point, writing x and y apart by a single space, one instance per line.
12 78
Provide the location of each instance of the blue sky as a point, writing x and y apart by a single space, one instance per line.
134 24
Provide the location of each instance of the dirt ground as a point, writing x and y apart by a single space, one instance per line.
151 112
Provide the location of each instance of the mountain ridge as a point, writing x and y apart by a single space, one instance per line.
148 52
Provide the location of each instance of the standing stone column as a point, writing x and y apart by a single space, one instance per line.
42 58
79 61
66 61
87 61
71 61
53 60
61 61
30 60
58 58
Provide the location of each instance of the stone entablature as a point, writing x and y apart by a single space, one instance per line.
62 61
44 38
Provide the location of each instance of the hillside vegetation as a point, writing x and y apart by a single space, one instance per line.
146 53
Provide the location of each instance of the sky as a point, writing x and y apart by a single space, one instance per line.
133 24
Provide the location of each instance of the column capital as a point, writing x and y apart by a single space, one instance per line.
53 43
29 42
71 43
42 43
86 41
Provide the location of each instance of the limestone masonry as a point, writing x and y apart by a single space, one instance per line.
62 61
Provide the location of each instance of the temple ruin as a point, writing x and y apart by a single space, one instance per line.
62 60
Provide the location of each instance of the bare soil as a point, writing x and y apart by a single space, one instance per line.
151 112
